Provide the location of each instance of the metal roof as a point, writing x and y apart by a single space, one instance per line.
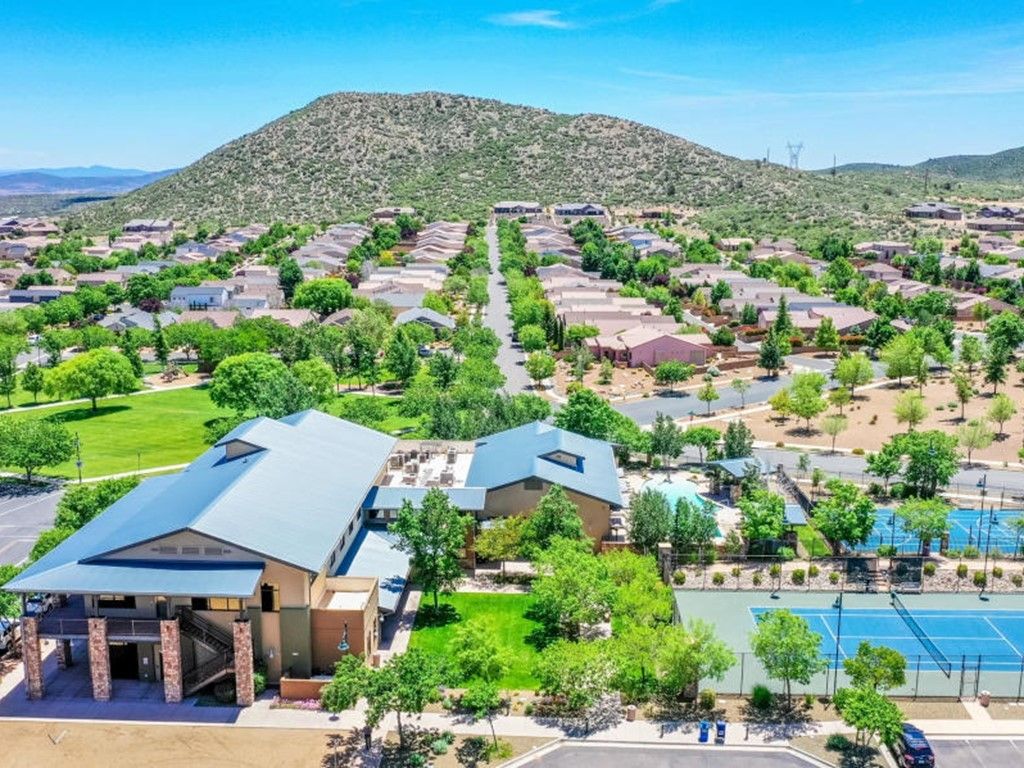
391 497
524 452
373 553
794 515
738 467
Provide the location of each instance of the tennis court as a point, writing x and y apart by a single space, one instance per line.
967 527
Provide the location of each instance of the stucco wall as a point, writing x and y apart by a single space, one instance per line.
518 500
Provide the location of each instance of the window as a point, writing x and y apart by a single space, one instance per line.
216 604
270 598
115 601
190 550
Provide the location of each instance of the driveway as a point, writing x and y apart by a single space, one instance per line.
611 756
496 317
978 753
25 511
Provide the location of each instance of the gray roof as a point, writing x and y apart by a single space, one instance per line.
374 553
392 497
794 515
288 495
425 315
529 451
738 467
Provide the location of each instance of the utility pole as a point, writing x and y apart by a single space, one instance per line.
833 166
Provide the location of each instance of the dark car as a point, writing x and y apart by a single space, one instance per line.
912 748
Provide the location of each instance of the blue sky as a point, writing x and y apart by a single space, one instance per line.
155 85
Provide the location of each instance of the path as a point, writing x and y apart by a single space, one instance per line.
496 317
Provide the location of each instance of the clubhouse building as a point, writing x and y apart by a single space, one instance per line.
271 550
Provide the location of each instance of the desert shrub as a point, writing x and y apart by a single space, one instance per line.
736 571
838 743
808 700
448 736
416 760
756 579
833 578
774 569
971 551
528 709
718 578
707 699
961 571
813 571
679 578
780 444
1017 579
929 569
259 682
952 554
997 572
786 554
980 579
886 550
857 451
439 746
797 576
761 697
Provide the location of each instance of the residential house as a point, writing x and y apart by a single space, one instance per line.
123 319
933 210
425 316
643 346
516 208
99 279
149 226
579 210
199 296
993 224
390 214
883 250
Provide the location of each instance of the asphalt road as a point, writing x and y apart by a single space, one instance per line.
709 756
978 753
24 513
496 317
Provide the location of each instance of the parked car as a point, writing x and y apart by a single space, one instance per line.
912 748
10 630
38 604
425 351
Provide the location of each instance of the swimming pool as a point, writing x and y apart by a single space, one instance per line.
677 489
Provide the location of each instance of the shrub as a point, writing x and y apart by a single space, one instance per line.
961 571
656 462
980 579
929 569
971 551
416 760
838 743
786 554
780 444
259 682
997 572
833 578
500 751
439 746
448 736
876 490
718 578
886 550
774 570
736 571
756 579
224 692
761 697
808 700
679 577
813 571
953 554
1018 580
707 699
797 576
528 709
857 451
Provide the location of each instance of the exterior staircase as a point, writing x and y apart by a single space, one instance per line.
212 637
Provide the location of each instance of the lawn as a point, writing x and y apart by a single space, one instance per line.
393 421
501 614
812 541
128 433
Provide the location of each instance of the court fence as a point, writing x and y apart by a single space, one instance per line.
1001 676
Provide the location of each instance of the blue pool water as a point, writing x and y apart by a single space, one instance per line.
675 490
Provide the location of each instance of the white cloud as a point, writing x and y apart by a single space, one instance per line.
543 18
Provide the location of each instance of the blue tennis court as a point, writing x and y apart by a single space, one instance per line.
967 527
997 636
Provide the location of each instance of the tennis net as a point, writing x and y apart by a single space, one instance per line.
940 659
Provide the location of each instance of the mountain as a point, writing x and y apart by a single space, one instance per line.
46 183
448 155
77 171
1005 166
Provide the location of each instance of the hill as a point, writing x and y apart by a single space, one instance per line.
45 183
1005 166
74 171
347 153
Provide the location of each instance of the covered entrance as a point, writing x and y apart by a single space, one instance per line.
124 661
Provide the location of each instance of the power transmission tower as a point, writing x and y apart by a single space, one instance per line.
833 166
794 154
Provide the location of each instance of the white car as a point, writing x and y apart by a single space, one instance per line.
10 630
38 604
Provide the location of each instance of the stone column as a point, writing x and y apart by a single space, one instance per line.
170 652
242 632
32 657
63 654
665 561
99 659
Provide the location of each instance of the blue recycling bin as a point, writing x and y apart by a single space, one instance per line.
720 732
705 730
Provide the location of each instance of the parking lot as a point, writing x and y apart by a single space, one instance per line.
978 753
25 511
610 756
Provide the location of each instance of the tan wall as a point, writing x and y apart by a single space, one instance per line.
296 689
148 551
517 500
327 627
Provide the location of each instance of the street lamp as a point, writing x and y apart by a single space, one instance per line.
343 646
78 457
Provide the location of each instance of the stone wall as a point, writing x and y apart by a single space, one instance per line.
242 633
32 657
99 659
170 652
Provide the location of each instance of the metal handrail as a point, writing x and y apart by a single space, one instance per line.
54 625
203 630
208 669
133 627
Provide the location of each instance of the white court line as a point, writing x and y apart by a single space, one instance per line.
996 629
835 640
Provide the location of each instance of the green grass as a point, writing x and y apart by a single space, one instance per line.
394 420
812 541
128 433
149 369
501 614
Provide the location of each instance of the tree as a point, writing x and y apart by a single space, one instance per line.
964 388
483 699
806 400
572 589
708 394
846 516
33 380
1001 410
1005 330
323 295
787 649
833 426
702 438
475 654
885 464
783 325
688 654
401 357
931 460
586 413
781 403
578 674
840 397
903 356
9 350
443 369
971 352
433 535
408 682
925 518
741 387
995 367
827 337
671 372
316 376
693 526
34 443
877 667
47 541
666 438
258 384
533 338
739 440
289 275
650 519
502 541
81 503
556 517
763 515
910 410
347 685
540 366
975 435
870 713
92 375
772 354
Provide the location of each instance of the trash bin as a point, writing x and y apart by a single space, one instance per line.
631 713
720 732
984 698
705 729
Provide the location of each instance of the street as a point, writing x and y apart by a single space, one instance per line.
658 756
25 511
496 317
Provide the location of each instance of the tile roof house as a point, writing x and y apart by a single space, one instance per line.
425 316
934 210
646 346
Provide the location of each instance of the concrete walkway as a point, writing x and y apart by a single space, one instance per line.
496 317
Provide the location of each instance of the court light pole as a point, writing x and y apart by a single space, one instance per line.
988 541
838 604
